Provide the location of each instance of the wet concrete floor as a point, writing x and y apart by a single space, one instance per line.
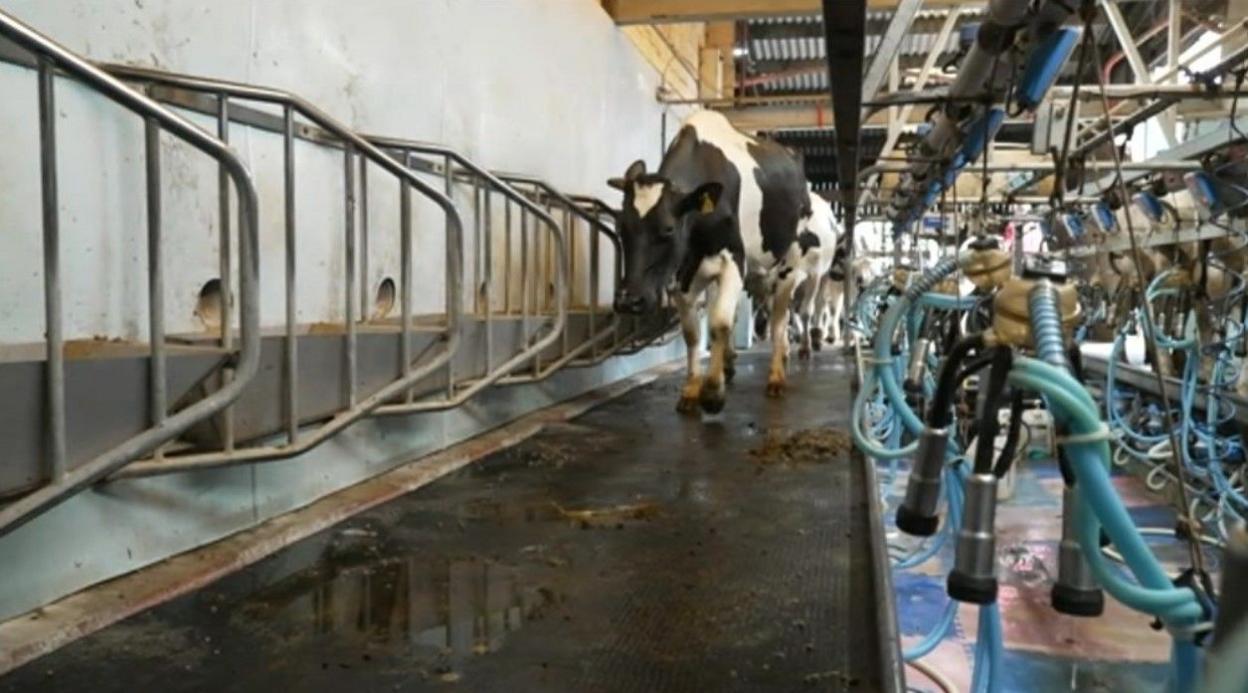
634 549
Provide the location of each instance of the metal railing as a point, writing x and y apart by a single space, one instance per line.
482 183
299 441
537 301
542 192
63 481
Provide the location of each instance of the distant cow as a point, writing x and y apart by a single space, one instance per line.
721 204
830 312
819 249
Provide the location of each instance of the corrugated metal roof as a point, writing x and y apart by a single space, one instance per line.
800 39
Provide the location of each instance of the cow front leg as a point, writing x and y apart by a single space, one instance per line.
806 315
691 330
780 304
836 306
730 359
820 327
721 316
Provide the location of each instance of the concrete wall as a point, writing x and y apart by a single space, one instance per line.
548 87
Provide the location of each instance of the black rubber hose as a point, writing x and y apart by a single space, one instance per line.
973 366
986 431
1011 435
940 414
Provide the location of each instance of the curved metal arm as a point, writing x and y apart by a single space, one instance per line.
454 274
328 123
78 479
556 327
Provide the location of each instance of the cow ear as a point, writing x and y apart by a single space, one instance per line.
703 199
636 170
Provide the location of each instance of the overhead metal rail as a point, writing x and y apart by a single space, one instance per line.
540 306
1158 238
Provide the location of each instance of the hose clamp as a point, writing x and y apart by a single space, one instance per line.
1102 434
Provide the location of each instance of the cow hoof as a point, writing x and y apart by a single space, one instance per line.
775 388
712 401
803 354
816 336
818 345
729 373
687 405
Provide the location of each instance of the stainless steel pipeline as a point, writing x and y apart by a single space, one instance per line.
1048 167
353 142
72 481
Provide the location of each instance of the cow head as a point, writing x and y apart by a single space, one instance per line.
654 224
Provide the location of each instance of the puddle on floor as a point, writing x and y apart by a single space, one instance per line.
452 609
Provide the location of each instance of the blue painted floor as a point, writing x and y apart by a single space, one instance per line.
1045 650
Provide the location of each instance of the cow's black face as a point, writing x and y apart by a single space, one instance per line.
653 225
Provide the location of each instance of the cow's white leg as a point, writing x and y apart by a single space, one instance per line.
806 313
691 330
722 314
780 303
836 306
819 328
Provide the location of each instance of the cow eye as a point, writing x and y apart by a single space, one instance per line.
667 230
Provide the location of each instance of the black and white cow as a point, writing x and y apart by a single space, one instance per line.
721 204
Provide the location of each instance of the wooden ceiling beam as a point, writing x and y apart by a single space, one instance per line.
665 11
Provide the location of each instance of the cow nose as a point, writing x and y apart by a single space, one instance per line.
626 302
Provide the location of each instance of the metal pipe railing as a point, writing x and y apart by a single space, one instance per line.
354 145
454 398
66 482
552 256
570 206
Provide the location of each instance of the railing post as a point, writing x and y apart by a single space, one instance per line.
365 293
349 263
488 283
450 194
570 225
507 256
225 271
157 403
54 373
291 351
405 276
477 250
593 291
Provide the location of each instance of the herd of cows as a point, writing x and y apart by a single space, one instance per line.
725 211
